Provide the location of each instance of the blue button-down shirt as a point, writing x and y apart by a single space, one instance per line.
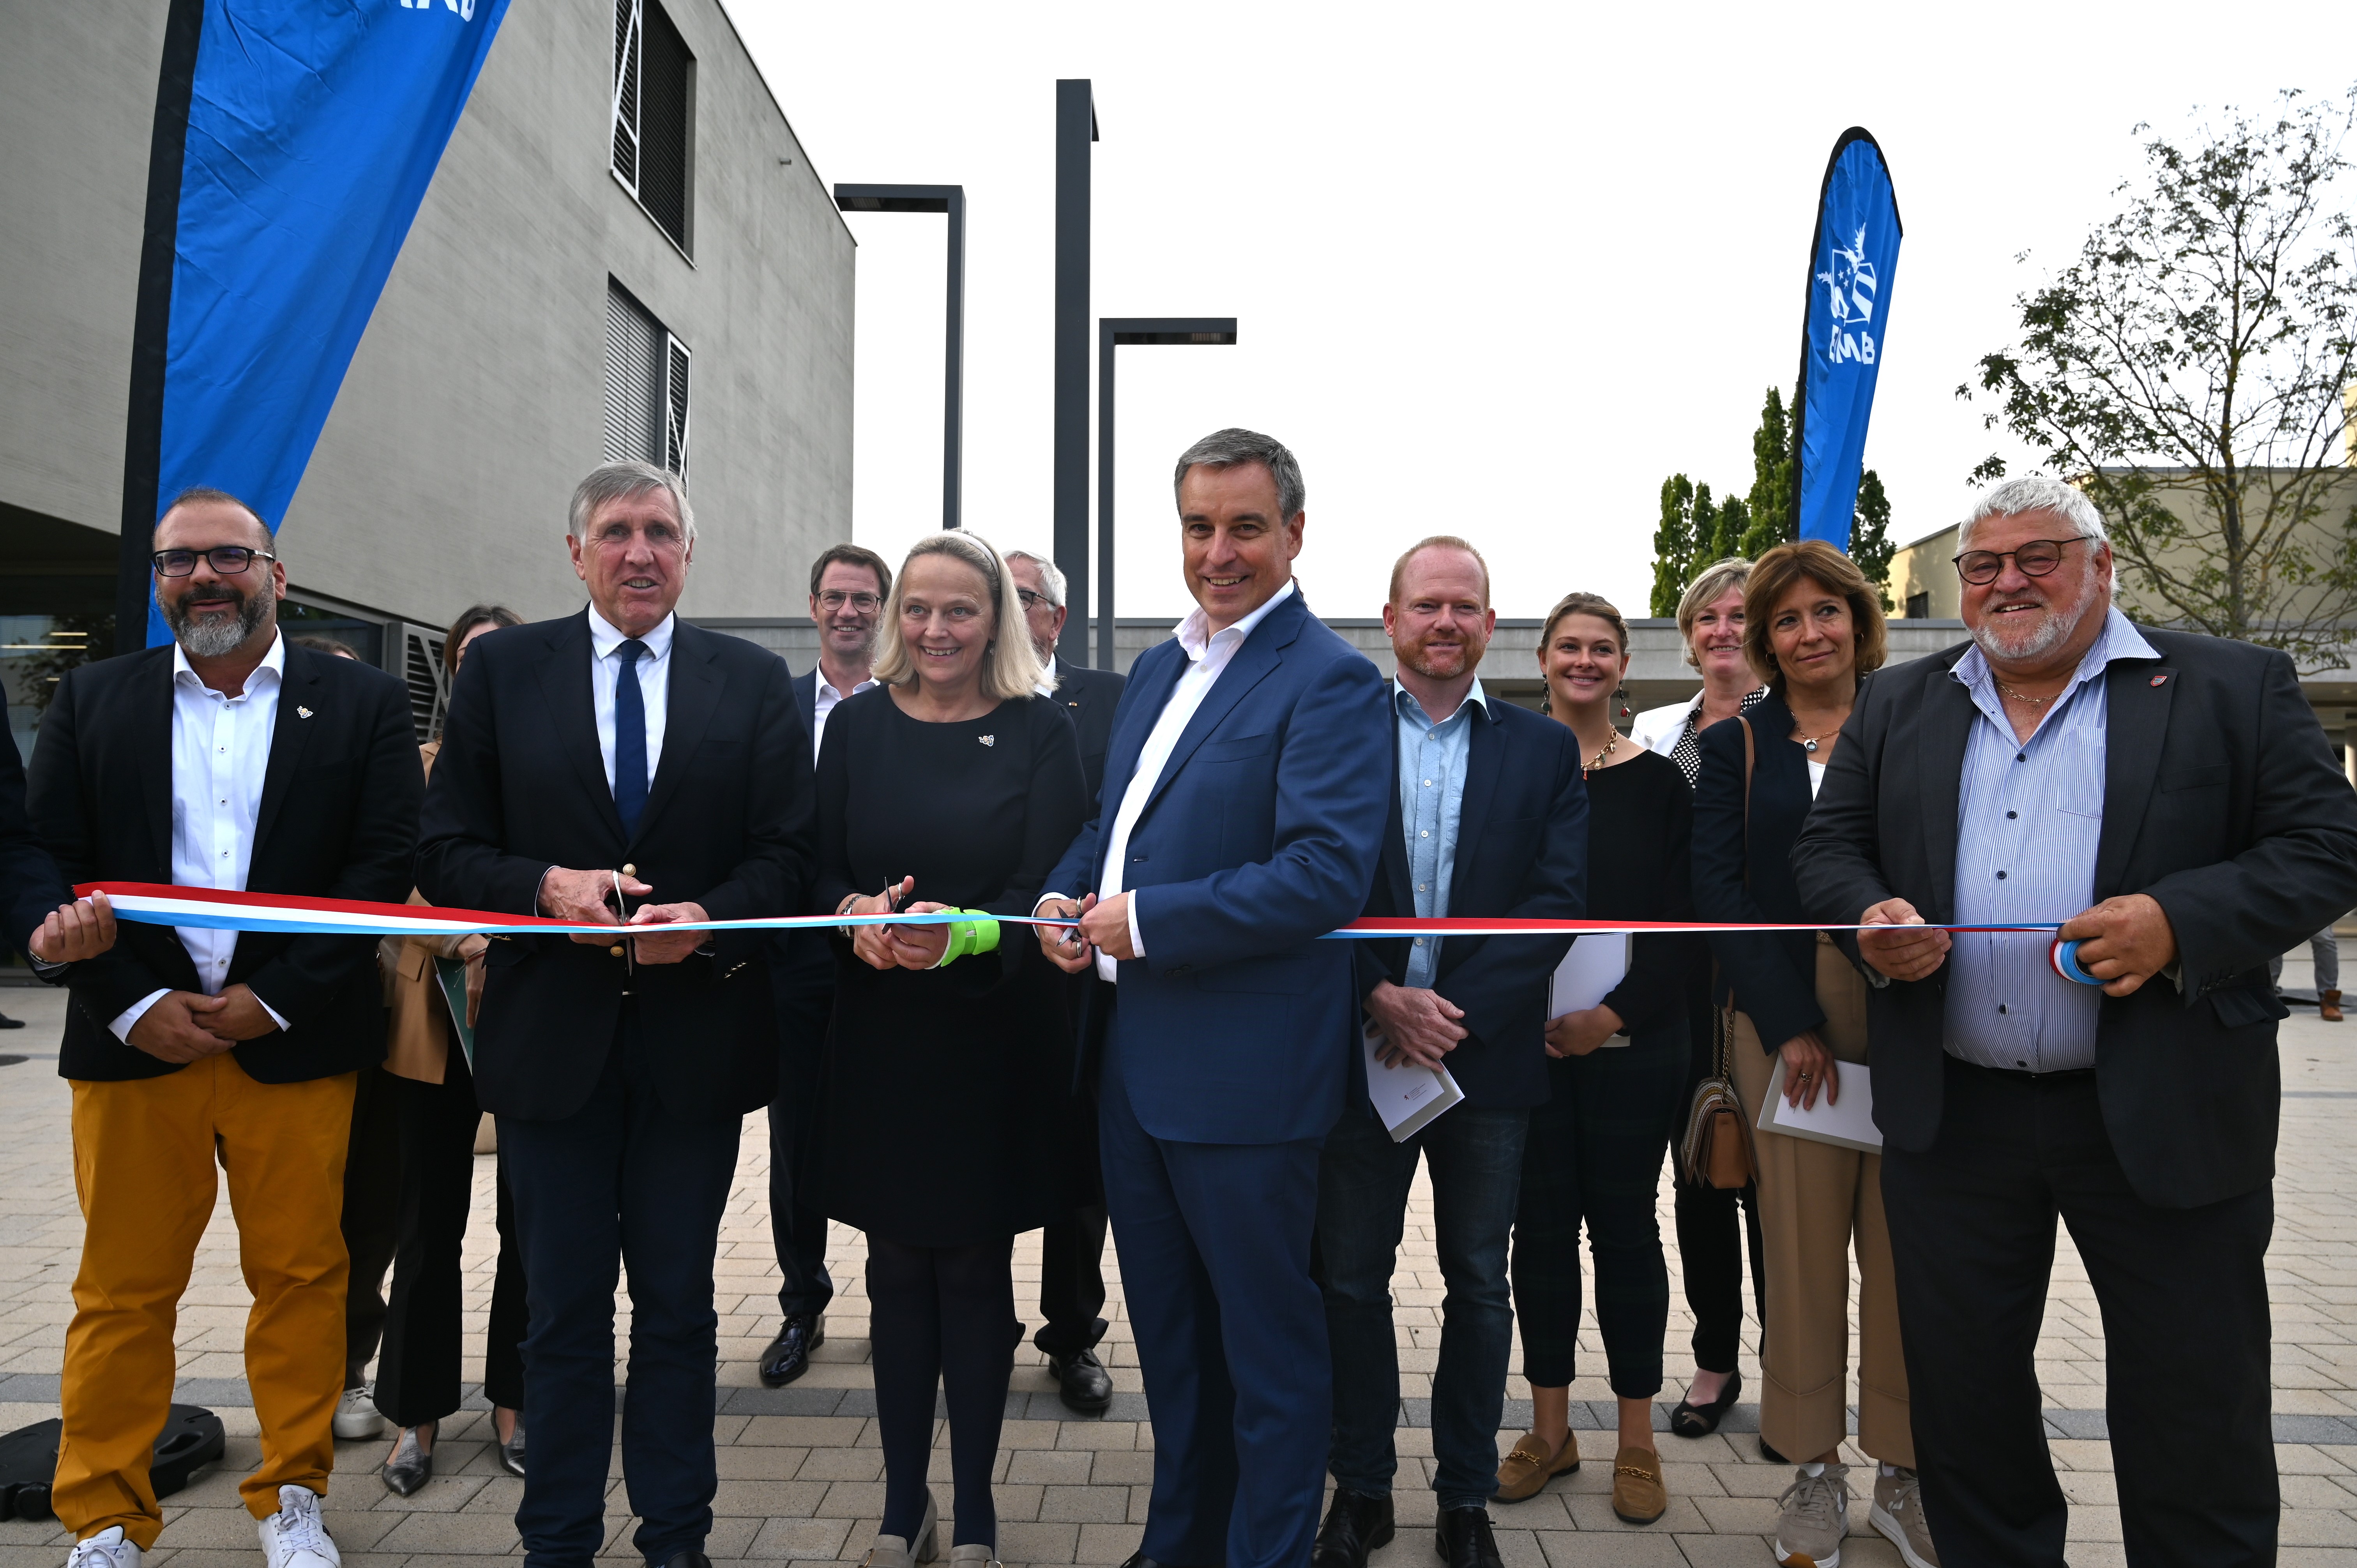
1432 759
2028 823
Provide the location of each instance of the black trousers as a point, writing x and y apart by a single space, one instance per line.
804 974
2184 1298
622 1180
372 1214
417 1379
1072 1282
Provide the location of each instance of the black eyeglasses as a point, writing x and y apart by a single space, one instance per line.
866 603
1031 600
2035 557
228 560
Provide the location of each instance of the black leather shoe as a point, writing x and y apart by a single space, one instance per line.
510 1453
412 1465
1086 1386
1691 1420
681 1560
789 1354
1140 1560
8 1023
1464 1539
1355 1525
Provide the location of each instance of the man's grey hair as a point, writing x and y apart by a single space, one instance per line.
1051 576
1226 448
2037 492
626 481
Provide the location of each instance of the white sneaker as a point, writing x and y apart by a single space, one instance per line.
1814 1517
107 1549
295 1536
1898 1515
357 1415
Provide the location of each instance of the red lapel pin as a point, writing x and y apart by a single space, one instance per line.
2159 680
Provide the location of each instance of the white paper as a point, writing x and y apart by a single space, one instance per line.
1587 976
1407 1097
1849 1123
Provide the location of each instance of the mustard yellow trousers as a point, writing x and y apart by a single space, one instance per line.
143 1160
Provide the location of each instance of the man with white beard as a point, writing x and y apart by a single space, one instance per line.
2171 798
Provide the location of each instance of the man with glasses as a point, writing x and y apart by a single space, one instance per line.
848 586
226 760
2171 799
1072 1254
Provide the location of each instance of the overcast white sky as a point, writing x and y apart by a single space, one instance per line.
1499 268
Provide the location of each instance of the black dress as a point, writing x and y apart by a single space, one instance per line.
948 1112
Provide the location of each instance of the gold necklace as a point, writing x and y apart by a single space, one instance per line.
2024 696
1609 746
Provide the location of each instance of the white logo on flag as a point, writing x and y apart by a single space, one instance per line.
1850 295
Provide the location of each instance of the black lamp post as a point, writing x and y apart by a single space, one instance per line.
1113 332
949 199
1076 128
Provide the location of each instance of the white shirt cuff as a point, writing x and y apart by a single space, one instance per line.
1136 937
128 1019
283 1025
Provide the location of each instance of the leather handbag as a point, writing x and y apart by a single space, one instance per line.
1717 1150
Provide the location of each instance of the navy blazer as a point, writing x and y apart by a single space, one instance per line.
2221 801
1521 853
1089 697
1262 834
30 886
806 700
1743 872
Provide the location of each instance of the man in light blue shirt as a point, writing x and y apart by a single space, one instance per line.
1432 754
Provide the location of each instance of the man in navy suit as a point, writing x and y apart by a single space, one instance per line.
1248 777
848 586
1071 1251
1489 816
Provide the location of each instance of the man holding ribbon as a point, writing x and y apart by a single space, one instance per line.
1249 773
225 760
2169 798
622 768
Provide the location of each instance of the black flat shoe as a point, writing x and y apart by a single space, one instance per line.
1464 1539
412 1465
1771 1455
690 1559
788 1355
1140 1560
1083 1381
1691 1420
8 1023
1355 1525
510 1453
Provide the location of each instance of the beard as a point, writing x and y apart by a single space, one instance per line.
2051 631
214 634
1445 661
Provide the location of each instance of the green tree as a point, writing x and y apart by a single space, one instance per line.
2186 368
1869 533
1673 544
1773 464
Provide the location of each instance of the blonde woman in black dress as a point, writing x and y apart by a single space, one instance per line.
949 1115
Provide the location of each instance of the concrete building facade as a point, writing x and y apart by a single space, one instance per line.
546 255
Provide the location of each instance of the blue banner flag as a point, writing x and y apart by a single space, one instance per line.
1853 263
293 143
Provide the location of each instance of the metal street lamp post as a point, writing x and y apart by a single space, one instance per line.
949 199
1112 332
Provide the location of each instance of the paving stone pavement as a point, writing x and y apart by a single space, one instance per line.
802 1472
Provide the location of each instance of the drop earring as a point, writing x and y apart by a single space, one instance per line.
1622 696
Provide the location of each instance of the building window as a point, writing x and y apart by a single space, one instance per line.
653 114
646 386
1919 607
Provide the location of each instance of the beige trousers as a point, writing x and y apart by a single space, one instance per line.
1813 1199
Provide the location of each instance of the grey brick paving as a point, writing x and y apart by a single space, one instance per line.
801 1469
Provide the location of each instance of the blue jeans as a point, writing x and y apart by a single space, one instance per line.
1363 1188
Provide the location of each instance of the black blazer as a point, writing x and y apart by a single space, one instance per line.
520 786
1746 876
806 701
1521 853
1089 697
2220 801
31 886
337 819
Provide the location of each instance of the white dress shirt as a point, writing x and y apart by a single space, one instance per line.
1207 656
654 686
823 701
221 752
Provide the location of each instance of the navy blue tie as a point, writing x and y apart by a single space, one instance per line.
629 739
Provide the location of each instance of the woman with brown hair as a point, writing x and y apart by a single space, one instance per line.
1594 1153
417 1375
1812 629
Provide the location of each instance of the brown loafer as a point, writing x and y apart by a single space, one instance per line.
1639 1495
1528 1466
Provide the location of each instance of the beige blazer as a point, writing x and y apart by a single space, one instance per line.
417 1042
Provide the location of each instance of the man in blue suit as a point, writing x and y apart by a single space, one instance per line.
1249 775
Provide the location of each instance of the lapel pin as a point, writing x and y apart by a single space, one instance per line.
2159 680
301 711
987 739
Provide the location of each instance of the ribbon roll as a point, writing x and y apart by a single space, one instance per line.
2064 956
